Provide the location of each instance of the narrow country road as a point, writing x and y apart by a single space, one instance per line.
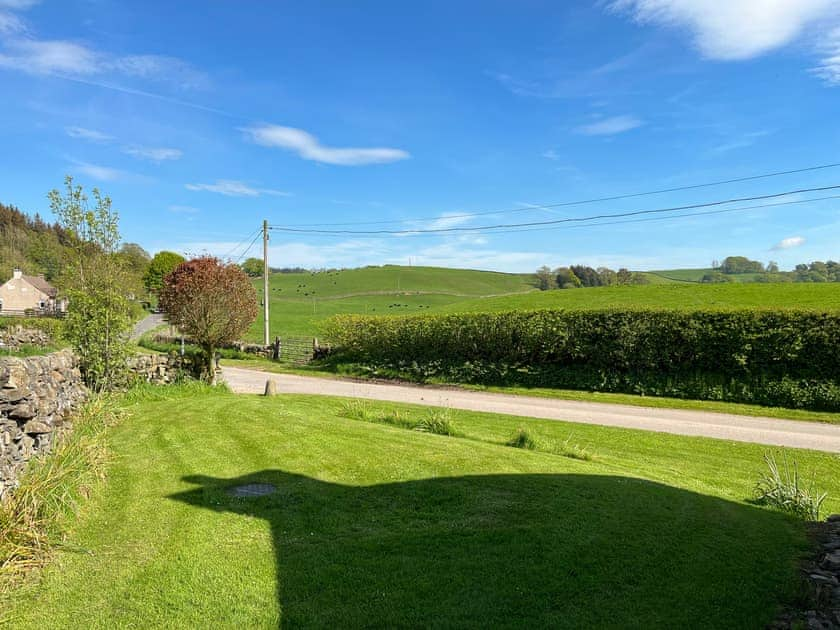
150 322
789 433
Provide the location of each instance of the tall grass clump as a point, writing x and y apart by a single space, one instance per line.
569 449
357 410
438 421
51 490
522 438
783 489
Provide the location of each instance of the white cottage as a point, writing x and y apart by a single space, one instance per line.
24 293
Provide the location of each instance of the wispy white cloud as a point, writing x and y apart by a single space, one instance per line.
91 135
184 209
154 154
10 23
18 5
828 68
308 147
789 243
735 29
102 173
610 126
235 188
551 154
740 142
449 220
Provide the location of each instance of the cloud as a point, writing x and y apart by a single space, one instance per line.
448 220
789 243
88 134
735 29
551 154
78 60
155 154
102 173
610 126
235 188
308 147
18 5
741 142
828 68
184 209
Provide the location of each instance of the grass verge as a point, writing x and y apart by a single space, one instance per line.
373 524
33 517
738 409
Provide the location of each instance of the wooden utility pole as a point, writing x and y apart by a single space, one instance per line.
265 281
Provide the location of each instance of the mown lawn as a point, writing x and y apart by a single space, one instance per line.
375 525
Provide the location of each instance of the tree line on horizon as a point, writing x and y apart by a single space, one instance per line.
815 271
578 276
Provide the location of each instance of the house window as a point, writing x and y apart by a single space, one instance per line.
42 305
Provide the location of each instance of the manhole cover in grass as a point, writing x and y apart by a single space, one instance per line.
251 490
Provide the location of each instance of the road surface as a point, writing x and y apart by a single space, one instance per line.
150 322
770 431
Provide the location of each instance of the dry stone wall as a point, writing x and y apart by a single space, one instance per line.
37 395
17 336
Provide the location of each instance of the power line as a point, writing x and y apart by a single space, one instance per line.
501 226
239 244
645 220
248 249
583 201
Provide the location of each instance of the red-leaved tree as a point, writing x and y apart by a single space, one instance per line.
212 303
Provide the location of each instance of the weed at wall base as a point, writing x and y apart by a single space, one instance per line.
50 490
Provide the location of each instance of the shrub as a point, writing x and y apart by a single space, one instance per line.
438 421
783 489
781 358
522 438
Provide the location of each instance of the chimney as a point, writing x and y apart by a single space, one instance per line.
17 274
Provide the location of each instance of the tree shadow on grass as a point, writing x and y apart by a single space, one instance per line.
515 550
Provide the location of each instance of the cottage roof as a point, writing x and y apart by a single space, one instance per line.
41 284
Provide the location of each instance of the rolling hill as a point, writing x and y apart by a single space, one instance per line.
300 300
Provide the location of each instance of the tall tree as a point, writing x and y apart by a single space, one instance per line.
162 264
253 267
545 279
213 303
98 317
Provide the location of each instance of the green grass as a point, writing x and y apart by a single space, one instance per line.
678 296
299 301
27 350
635 400
666 276
377 525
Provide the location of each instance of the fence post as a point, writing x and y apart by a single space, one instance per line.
275 354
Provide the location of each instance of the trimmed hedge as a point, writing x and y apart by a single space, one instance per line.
787 358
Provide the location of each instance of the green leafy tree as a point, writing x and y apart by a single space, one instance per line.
566 278
213 303
99 316
162 264
253 267
545 279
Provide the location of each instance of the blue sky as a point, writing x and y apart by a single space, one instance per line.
200 119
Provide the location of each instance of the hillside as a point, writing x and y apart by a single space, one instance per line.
671 276
300 300
675 295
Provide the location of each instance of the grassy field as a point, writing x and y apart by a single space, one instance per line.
669 276
300 300
670 296
376 525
